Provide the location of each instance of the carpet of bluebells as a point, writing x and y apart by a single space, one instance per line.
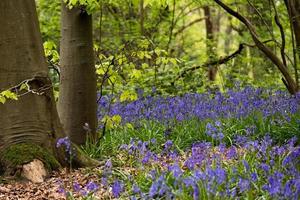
241 144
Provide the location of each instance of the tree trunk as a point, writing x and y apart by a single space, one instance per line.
261 18
229 36
212 27
77 101
33 117
142 17
293 7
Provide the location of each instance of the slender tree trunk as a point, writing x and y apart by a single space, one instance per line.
77 101
33 117
261 18
293 7
212 26
142 17
229 36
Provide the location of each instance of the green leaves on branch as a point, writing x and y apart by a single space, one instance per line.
51 53
112 122
89 5
7 95
153 2
128 95
144 66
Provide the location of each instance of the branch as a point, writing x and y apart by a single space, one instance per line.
292 86
54 66
282 34
188 25
262 18
215 62
221 61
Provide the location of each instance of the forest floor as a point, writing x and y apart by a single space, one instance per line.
48 190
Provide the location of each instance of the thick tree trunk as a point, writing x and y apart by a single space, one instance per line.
212 27
33 117
77 101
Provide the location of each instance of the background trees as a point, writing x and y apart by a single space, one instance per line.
169 46
280 61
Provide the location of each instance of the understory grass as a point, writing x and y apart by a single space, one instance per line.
237 145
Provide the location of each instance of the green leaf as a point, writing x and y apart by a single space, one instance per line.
24 86
2 99
128 96
116 119
9 95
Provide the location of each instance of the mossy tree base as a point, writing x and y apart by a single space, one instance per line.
17 155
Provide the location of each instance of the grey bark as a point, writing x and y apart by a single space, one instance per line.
33 118
77 100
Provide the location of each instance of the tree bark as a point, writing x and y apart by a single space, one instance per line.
142 17
293 7
32 118
212 28
77 101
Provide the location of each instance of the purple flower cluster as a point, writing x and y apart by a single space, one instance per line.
232 104
257 167
66 143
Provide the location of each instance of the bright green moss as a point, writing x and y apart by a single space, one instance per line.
19 154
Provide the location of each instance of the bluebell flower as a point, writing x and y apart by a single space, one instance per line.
176 170
153 141
288 191
135 189
104 181
147 157
196 192
61 190
246 165
65 142
218 123
117 188
168 144
153 174
108 164
221 175
84 192
133 198
163 189
254 177
123 147
199 175
153 191
265 167
244 185
76 187
231 153
91 186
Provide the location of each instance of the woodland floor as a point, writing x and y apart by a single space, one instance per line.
50 189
